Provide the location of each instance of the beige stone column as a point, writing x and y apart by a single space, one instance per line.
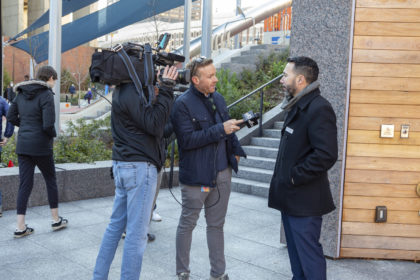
13 17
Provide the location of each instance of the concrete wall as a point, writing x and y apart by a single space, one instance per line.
37 8
321 30
76 181
12 17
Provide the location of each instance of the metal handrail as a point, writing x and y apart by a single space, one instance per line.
260 89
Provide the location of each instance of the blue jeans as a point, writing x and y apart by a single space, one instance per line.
135 184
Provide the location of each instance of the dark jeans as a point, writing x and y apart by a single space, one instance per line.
26 175
305 252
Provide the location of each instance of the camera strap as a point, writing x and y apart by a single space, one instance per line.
131 71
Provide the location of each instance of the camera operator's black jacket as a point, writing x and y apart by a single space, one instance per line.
198 136
308 148
33 111
137 130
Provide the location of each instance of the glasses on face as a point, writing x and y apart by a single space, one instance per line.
196 62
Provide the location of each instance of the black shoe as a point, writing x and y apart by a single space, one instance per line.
151 237
62 223
22 233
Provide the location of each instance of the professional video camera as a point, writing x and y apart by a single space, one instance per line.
132 62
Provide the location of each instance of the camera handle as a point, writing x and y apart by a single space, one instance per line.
149 72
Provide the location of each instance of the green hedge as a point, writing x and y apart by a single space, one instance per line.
85 142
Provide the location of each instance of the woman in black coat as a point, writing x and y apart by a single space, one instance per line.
33 112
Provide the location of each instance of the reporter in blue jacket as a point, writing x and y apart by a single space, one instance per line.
208 151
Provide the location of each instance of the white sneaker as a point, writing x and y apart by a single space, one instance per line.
156 217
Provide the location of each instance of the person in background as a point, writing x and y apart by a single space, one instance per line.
33 112
88 95
8 132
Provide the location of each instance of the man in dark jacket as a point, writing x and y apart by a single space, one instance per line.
9 94
138 154
308 149
208 151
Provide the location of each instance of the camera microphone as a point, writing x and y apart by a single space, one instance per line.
250 119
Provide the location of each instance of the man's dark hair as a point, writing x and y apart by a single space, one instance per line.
305 66
198 63
44 73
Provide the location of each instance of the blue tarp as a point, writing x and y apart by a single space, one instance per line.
102 22
69 6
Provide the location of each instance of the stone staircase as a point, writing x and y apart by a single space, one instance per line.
256 170
247 57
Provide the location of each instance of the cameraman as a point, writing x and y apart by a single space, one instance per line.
208 151
137 156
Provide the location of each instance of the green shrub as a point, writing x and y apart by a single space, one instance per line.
233 88
86 142
8 152
6 79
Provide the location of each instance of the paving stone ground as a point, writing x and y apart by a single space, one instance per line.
252 247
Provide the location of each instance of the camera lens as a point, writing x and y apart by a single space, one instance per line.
184 76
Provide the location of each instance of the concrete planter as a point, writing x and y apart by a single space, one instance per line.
76 181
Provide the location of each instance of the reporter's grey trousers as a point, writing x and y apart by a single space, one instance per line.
193 197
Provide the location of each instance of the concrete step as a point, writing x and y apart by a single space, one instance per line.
259 151
245 59
278 125
238 67
273 133
258 162
265 142
250 187
256 174
266 47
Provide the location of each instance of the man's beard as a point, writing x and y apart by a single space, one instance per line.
291 90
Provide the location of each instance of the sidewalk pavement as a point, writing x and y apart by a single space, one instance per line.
252 247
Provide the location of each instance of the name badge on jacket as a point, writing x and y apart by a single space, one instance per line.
289 130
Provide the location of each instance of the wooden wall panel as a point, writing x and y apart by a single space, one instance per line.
386 70
380 190
388 15
368 216
387 29
386 56
374 123
381 242
380 253
388 4
385 111
385 89
386 43
392 203
394 97
382 163
382 229
382 177
372 137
